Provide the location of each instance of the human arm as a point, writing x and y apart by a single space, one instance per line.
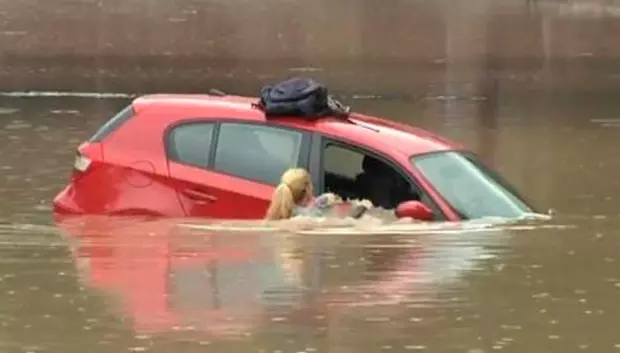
359 208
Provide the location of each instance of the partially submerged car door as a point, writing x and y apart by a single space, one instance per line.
228 169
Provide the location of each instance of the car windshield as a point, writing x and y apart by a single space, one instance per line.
473 190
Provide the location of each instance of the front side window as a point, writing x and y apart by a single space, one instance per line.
353 173
256 152
191 143
472 189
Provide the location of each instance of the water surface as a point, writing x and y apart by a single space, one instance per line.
540 106
159 287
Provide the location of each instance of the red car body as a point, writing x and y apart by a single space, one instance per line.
152 159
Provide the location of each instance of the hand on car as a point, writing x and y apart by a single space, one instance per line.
331 199
366 203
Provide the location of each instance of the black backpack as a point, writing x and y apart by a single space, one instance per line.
300 96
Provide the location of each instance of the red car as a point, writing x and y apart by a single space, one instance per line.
218 156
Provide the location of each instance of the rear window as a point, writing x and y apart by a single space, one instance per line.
113 124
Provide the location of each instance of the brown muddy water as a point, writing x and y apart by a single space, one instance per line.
105 286
531 86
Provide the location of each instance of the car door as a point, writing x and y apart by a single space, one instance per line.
251 159
228 170
338 165
189 147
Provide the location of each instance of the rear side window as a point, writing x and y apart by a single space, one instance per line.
191 143
256 152
113 124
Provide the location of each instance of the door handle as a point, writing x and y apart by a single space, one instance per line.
199 196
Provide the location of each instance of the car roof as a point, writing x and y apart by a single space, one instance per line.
378 133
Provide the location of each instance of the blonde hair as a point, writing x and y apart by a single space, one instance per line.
291 191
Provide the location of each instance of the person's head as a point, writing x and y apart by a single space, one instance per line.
295 188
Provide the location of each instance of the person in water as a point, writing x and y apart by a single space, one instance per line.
294 197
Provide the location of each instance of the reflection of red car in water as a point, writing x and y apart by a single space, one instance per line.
165 277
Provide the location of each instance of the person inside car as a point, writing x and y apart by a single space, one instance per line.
294 197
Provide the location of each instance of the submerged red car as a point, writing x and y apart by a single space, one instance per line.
219 156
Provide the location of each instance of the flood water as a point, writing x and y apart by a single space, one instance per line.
105 285
159 287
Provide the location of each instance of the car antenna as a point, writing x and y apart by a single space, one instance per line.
360 124
344 112
217 92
